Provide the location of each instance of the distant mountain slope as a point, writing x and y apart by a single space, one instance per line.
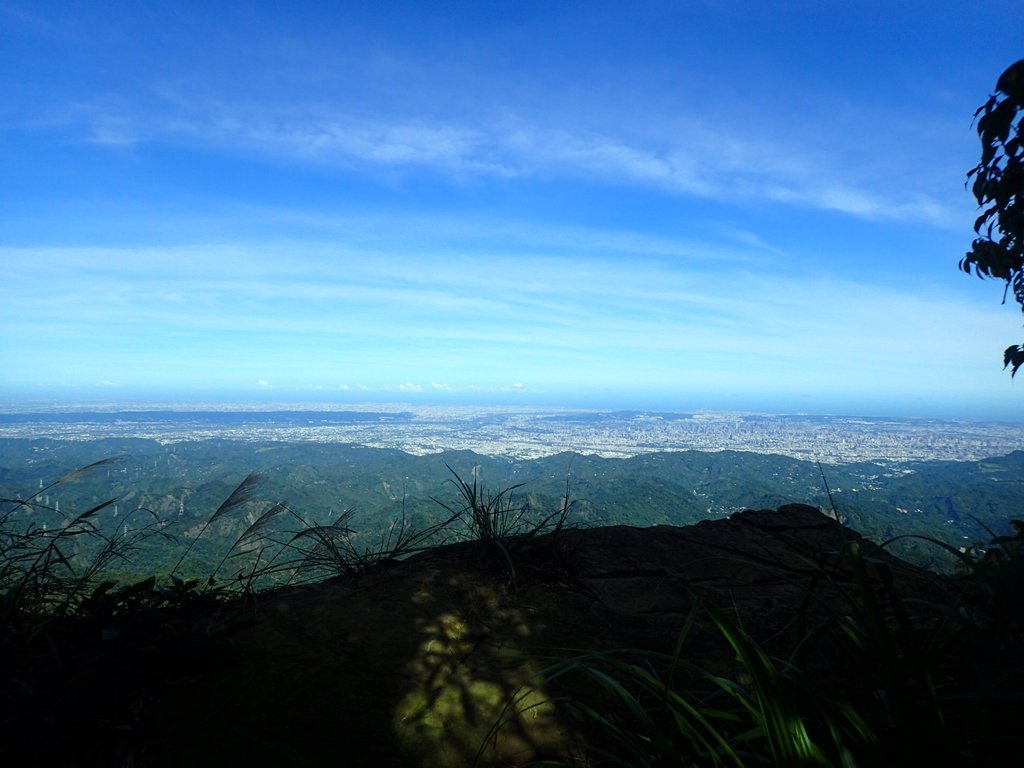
185 482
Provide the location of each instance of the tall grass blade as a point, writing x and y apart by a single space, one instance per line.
76 473
260 523
242 493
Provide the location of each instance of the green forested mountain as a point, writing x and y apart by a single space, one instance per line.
184 483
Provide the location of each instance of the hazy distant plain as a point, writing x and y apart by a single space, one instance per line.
536 432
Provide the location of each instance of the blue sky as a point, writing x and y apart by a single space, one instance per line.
655 204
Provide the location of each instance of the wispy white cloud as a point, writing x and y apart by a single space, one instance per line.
113 131
686 157
344 141
471 321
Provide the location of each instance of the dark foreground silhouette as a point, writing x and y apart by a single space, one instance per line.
458 656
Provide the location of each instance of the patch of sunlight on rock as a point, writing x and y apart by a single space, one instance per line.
470 705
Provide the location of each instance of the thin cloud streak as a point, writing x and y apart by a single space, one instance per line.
697 160
626 324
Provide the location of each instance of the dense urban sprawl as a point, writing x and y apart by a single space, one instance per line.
532 433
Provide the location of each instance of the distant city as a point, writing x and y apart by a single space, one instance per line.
528 433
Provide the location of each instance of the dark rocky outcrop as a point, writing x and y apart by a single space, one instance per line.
414 663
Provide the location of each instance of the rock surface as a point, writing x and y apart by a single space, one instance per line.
415 664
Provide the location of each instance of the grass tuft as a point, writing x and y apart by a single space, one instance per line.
499 522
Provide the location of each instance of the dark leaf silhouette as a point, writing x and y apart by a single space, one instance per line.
998 186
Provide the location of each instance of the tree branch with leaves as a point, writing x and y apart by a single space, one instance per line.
998 186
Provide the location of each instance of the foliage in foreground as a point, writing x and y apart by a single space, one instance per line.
881 678
878 679
77 636
998 186
499 524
